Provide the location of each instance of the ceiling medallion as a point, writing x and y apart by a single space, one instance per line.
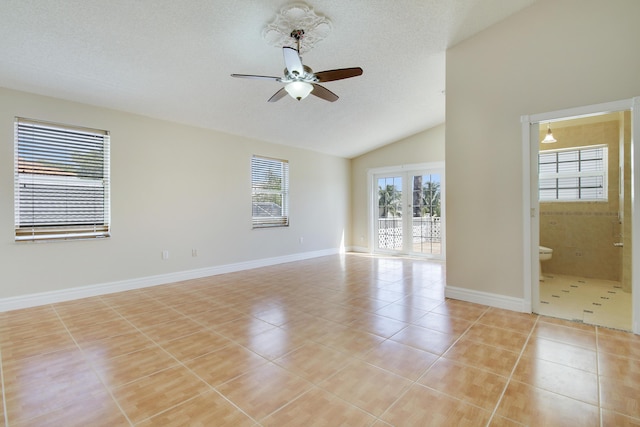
295 22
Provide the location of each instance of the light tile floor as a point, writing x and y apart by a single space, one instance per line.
349 340
592 301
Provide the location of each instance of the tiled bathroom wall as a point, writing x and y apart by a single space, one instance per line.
582 234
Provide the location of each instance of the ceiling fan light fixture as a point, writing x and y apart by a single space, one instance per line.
549 139
299 90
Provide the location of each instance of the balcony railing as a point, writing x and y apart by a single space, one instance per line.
426 234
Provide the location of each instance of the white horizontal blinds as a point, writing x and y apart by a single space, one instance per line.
269 192
573 174
61 181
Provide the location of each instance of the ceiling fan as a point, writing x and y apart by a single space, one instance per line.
300 80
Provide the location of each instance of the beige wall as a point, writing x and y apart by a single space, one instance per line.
553 55
424 147
174 188
582 234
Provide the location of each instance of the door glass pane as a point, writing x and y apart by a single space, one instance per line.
426 225
390 213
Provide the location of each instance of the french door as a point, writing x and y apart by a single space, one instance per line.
408 212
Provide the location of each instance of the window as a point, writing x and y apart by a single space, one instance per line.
575 174
270 192
61 182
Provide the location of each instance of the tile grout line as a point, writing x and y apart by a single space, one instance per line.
440 356
515 365
84 357
212 388
601 415
4 395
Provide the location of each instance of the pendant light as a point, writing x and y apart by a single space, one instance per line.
548 139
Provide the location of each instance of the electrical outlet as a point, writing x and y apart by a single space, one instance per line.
165 254
194 252
301 239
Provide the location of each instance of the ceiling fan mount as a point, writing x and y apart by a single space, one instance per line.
299 79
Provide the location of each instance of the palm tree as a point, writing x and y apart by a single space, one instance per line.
431 198
389 201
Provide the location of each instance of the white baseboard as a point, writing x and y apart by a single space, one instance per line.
360 249
486 298
43 298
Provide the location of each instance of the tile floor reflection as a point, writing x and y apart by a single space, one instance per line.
352 340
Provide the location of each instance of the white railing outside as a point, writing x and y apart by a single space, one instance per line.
424 229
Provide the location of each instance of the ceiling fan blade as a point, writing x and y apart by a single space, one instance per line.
278 95
251 76
292 61
342 73
324 93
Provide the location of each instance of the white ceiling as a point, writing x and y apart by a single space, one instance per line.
172 59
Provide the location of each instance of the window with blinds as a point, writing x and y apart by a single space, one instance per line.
269 192
61 182
576 174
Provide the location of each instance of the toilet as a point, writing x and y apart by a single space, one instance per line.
545 255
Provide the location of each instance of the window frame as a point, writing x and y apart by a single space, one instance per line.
260 174
604 174
57 198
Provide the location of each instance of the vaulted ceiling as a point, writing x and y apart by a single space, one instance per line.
172 60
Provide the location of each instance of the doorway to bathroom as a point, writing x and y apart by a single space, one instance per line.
407 206
582 213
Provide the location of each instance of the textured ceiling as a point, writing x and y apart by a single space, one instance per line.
172 60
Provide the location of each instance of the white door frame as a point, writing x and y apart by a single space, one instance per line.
531 223
402 170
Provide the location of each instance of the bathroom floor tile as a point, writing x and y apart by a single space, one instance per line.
592 301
